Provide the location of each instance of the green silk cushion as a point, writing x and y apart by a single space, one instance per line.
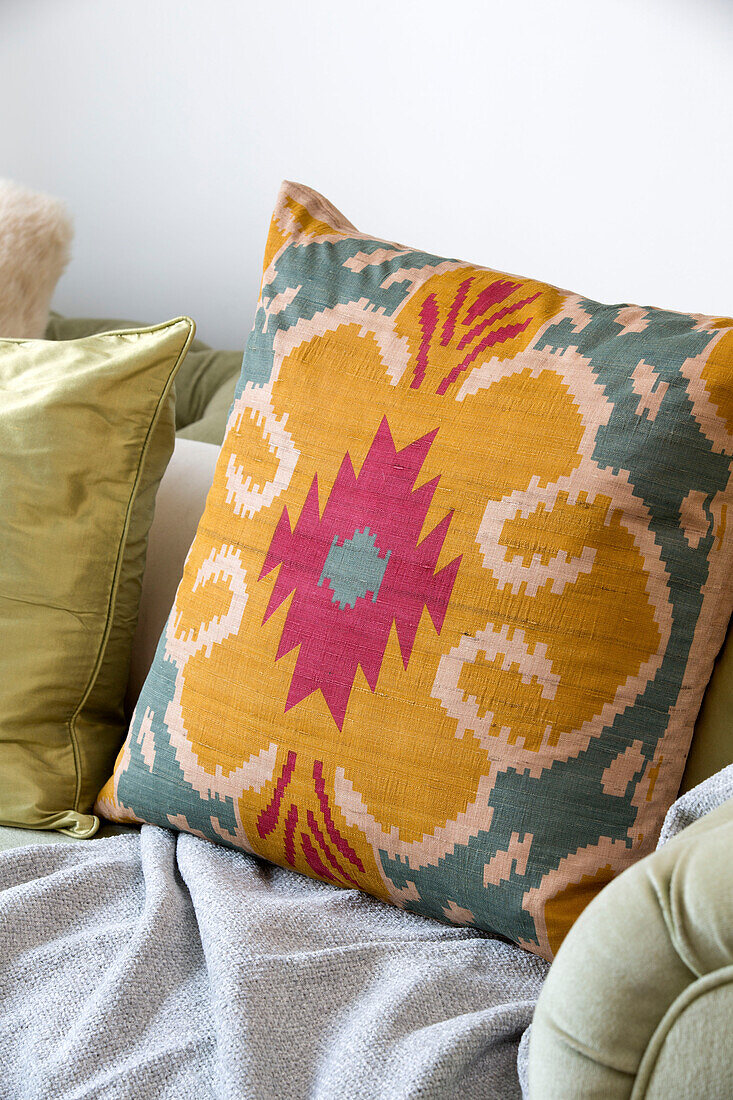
205 383
86 431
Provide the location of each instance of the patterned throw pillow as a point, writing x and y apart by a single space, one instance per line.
458 588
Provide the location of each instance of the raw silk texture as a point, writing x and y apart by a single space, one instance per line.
458 588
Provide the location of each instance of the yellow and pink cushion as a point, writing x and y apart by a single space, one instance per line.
456 594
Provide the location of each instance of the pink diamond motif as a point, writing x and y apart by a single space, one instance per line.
336 639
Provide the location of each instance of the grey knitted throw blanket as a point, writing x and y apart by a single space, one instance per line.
160 967
156 966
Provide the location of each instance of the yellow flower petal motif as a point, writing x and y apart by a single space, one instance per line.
429 610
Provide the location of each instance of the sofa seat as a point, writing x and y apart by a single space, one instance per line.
18 838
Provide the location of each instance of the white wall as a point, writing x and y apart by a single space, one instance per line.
587 143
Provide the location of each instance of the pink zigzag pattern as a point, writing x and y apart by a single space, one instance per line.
334 642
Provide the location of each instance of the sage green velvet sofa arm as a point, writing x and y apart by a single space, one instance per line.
639 1000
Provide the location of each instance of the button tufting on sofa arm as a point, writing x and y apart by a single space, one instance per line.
638 1002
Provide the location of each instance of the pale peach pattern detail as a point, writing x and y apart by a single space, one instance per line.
504 862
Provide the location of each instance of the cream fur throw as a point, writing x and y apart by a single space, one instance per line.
35 236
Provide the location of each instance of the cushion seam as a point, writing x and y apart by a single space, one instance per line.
714 980
122 545
586 1052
